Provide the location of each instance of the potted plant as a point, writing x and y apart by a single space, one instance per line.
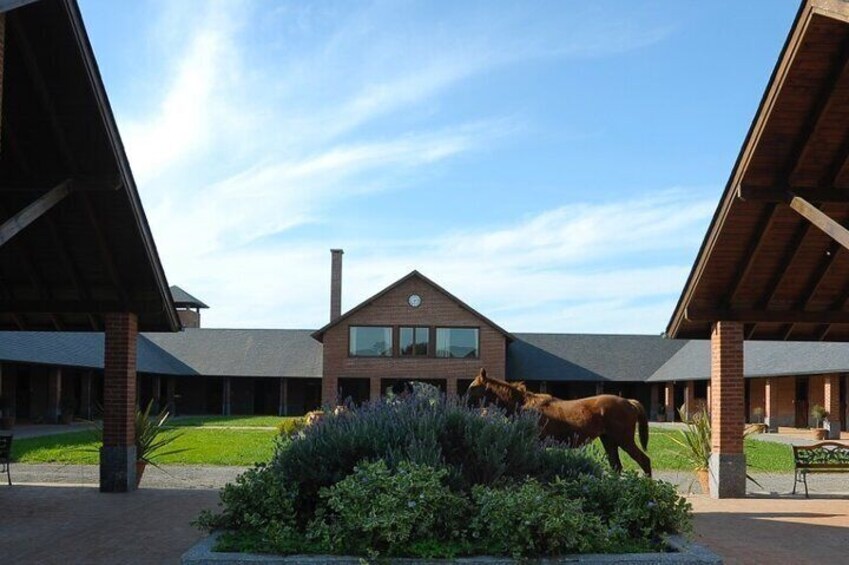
7 415
695 444
661 413
66 415
150 439
819 414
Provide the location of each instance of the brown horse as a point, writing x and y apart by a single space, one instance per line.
575 422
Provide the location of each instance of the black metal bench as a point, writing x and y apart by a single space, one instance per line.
6 455
823 457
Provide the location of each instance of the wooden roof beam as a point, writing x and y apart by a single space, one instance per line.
785 194
821 220
745 265
694 314
17 223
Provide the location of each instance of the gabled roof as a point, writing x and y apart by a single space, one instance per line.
184 299
90 250
319 334
587 357
766 260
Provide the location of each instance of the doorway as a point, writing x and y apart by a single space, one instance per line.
801 402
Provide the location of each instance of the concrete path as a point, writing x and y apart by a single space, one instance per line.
24 431
170 476
773 484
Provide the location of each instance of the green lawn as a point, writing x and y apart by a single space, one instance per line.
209 446
762 456
228 421
203 447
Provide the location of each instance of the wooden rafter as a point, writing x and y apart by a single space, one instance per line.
784 194
103 248
745 265
825 264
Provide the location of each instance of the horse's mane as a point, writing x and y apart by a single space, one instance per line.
520 388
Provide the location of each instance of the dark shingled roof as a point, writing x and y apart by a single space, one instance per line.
214 352
587 357
760 359
183 298
248 353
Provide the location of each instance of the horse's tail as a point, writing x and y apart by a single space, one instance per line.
643 422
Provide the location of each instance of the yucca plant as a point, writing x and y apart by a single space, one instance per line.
695 444
150 440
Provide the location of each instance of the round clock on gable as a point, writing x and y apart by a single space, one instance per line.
414 300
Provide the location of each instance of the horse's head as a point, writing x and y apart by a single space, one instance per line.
484 391
477 392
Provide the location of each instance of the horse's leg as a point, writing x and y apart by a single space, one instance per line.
612 451
637 454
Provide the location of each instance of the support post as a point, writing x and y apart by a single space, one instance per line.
171 395
771 403
654 403
85 395
156 392
543 387
689 398
283 408
375 391
329 391
118 454
669 400
54 395
727 461
225 397
451 386
831 397
599 388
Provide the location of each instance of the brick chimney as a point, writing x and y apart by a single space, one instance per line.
335 283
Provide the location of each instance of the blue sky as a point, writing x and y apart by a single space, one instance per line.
554 164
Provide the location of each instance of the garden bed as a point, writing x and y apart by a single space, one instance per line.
681 552
427 477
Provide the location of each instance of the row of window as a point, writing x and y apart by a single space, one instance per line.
373 341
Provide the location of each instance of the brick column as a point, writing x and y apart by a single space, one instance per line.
54 395
707 397
831 395
10 382
118 454
375 391
599 388
85 395
727 461
669 401
329 391
689 398
451 386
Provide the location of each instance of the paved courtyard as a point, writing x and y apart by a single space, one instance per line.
77 524
49 517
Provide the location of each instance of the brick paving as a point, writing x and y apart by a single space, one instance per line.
774 530
71 524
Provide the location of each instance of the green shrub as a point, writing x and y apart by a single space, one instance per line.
474 448
639 507
260 507
533 519
376 510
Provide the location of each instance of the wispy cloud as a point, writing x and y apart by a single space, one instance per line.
275 118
